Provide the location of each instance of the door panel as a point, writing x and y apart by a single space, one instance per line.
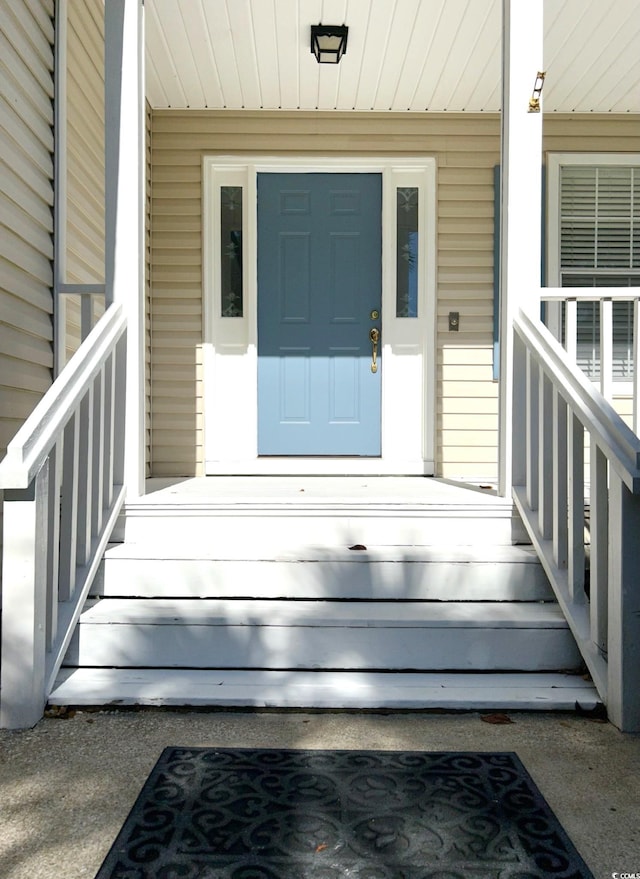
319 279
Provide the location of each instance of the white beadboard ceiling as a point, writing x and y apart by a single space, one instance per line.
435 55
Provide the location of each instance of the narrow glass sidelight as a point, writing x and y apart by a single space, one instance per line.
407 252
231 250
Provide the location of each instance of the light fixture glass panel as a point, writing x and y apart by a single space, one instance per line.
407 252
231 250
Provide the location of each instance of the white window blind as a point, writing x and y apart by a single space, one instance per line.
600 247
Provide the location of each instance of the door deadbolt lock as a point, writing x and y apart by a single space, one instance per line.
375 314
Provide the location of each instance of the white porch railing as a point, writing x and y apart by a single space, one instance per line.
556 408
63 481
605 298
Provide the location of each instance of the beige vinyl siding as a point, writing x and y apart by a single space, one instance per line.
466 148
26 213
26 201
83 258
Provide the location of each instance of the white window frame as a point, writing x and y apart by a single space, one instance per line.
555 162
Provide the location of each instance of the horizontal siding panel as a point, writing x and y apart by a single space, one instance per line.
174 468
469 405
449 227
26 317
19 402
474 308
456 355
464 372
461 259
178 421
84 77
176 239
254 124
22 224
21 164
25 375
89 230
17 25
169 224
23 346
176 207
472 389
25 77
480 209
26 257
337 143
462 421
170 173
176 190
35 113
182 454
471 242
39 138
174 258
163 307
183 406
471 437
467 193
16 190
22 286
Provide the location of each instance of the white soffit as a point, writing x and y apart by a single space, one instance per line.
416 55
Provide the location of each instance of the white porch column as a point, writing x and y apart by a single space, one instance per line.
521 158
124 209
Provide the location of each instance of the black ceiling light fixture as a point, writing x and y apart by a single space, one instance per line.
329 42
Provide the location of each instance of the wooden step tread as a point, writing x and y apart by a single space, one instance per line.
304 689
200 551
350 614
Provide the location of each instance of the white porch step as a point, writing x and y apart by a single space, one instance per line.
187 570
285 634
350 690
285 512
222 529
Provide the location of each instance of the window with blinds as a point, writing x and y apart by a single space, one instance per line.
600 247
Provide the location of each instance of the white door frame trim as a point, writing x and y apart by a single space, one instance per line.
409 344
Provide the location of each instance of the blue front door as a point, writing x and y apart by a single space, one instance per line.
319 294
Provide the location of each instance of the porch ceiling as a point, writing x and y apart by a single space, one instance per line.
436 55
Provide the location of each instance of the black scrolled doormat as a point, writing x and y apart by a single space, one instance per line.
209 813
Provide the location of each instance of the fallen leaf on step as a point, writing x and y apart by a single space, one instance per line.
321 847
496 718
359 546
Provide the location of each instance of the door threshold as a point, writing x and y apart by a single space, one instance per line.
316 466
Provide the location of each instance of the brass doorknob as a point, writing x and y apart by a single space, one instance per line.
374 335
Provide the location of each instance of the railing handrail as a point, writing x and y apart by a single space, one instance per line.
32 443
588 294
615 438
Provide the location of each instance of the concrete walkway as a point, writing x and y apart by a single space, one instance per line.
67 786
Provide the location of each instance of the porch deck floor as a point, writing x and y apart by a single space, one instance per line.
415 491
